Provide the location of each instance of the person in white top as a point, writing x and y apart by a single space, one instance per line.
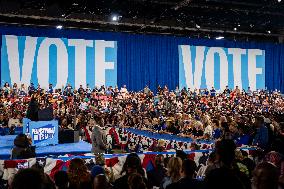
14 121
208 130
123 89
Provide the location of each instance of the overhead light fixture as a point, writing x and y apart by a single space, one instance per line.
219 38
59 27
235 29
115 17
269 31
197 26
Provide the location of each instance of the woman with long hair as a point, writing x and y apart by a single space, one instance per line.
78 174
174 172
132 165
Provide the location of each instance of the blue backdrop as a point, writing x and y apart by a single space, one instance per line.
154 60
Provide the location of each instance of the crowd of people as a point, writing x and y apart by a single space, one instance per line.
224 169
228 117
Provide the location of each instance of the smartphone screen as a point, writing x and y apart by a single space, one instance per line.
23 165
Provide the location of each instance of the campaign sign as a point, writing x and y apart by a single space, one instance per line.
26 122
203 67
43 60
44 133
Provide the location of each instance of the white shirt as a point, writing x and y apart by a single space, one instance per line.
208 130
16 122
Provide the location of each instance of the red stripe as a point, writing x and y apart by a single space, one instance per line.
58 166
147 159
13 163
87 134
112 161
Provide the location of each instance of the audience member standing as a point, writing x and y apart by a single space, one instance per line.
261 136
188 174
78 174
228 175
174 172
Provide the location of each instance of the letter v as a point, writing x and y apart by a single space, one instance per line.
14 62
193 80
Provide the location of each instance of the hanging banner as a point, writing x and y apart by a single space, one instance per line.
58 61
203 67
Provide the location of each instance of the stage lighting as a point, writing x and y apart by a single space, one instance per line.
239 25
197 26
279 1
59 27
235 29
268 31
220 37
114 18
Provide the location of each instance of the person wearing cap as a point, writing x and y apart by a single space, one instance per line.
97 170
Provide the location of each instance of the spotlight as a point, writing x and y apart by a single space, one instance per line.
220 37
115 17
279 1
239 25
59 27
269 31
197 26
235 29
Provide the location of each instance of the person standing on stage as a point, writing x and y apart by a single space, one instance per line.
98 138
32 112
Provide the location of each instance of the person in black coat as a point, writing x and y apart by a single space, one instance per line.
156 175
32 112
132 165
22 148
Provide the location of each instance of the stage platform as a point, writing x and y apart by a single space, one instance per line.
6 144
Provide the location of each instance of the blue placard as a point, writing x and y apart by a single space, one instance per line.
44 133
26 122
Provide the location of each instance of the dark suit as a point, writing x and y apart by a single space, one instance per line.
186 183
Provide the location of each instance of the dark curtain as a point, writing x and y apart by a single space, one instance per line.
153 59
